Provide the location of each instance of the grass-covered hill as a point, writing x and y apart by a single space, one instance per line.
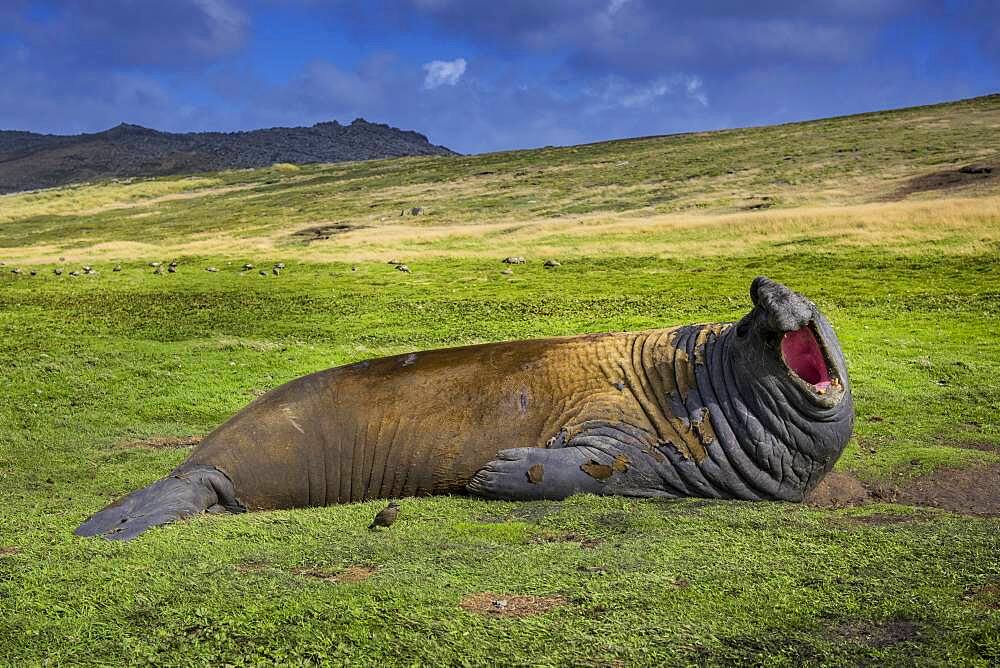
889 221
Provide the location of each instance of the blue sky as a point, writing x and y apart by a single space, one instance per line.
485 76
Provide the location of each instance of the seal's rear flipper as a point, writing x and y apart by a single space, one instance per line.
184 493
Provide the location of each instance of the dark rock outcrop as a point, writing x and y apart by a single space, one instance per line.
29 161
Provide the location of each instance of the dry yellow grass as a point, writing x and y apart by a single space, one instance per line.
954 225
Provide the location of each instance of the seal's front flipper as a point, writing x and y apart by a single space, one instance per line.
182 494
526 474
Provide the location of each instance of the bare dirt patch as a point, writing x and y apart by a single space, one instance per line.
323 232
162 442
506 605
982 446
251 566
8 551
952 179
969 491
349 574
885 634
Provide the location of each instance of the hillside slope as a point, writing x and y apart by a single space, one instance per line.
29 161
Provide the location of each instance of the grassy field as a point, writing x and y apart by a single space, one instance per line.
107 376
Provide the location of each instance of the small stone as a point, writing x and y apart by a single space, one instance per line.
158 270
552 263
507 272
262 272
354 267
211 269
87 269
173 263
500 604
15 270
74 273
280 265
33 272
247 267
403 268
416 211
172 269
62 259
117 267
154 264
57 271
514 259
396 262
275 271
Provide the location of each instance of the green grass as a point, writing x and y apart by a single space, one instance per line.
92 363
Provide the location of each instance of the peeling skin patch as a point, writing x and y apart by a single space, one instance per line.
162 442
347 575
597 470
536 474
883 634
508 605
621 463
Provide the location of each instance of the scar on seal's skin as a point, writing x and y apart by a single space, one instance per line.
291 418
536 473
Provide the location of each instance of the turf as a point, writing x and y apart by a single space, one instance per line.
94 365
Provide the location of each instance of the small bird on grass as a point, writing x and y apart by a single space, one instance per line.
386 516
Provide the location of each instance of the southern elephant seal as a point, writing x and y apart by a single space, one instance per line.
758 409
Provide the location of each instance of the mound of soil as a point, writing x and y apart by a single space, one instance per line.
838 490
488 603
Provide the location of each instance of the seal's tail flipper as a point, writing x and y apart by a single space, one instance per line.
179 495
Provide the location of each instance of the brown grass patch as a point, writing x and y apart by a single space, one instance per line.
251 566
8 551
507 605
349 574
162 442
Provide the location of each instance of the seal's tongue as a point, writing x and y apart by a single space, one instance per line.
803 355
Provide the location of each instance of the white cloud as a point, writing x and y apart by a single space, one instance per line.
615 92
443 72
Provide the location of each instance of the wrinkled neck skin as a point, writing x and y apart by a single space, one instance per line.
776 387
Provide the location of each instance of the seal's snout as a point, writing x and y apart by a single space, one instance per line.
783 310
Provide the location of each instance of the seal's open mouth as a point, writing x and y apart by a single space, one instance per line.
806 359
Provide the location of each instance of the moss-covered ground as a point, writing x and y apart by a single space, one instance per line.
95 365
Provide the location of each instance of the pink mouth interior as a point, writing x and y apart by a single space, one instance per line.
803 356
